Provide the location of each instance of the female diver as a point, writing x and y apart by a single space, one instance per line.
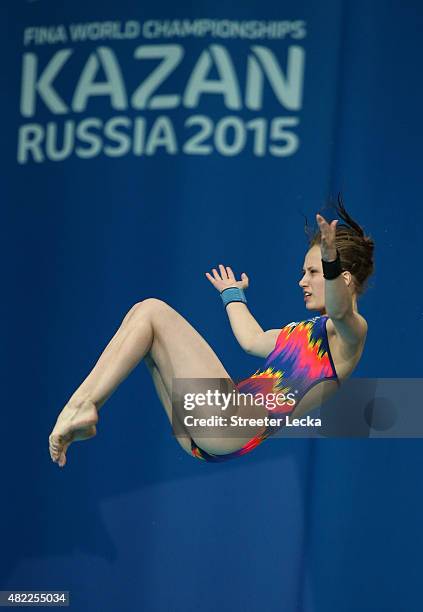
307 358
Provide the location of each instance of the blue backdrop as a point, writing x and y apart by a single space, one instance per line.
141 148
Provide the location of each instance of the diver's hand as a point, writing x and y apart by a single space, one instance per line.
328 234
226 279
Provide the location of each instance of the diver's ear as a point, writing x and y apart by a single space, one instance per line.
347 277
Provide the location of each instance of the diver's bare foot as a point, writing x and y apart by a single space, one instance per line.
77 421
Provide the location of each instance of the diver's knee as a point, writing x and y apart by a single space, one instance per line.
152 307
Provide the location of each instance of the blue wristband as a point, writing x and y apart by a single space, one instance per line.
232 294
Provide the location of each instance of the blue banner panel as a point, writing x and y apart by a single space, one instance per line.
142 146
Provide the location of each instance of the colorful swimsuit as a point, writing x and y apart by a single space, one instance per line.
300 360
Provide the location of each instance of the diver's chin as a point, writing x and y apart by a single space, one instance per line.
311 305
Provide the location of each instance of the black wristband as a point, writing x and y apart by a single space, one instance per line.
332 269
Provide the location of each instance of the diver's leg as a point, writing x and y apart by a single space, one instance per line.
177 350
181 434
79 417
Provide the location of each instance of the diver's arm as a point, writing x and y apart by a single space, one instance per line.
338 300
350 326
249 334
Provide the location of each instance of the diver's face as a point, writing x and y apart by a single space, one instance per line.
312 282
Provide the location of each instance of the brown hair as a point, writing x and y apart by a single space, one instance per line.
355 248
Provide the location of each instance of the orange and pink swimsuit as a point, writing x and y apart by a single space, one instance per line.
300 360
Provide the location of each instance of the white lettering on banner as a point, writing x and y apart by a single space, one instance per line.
172 56
41 36
223 28
30 85
167 28
122 135
111 131
55 153
90 138
81 32
161 134
101 30
288 91
113 86
227 84
160 78
30 138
